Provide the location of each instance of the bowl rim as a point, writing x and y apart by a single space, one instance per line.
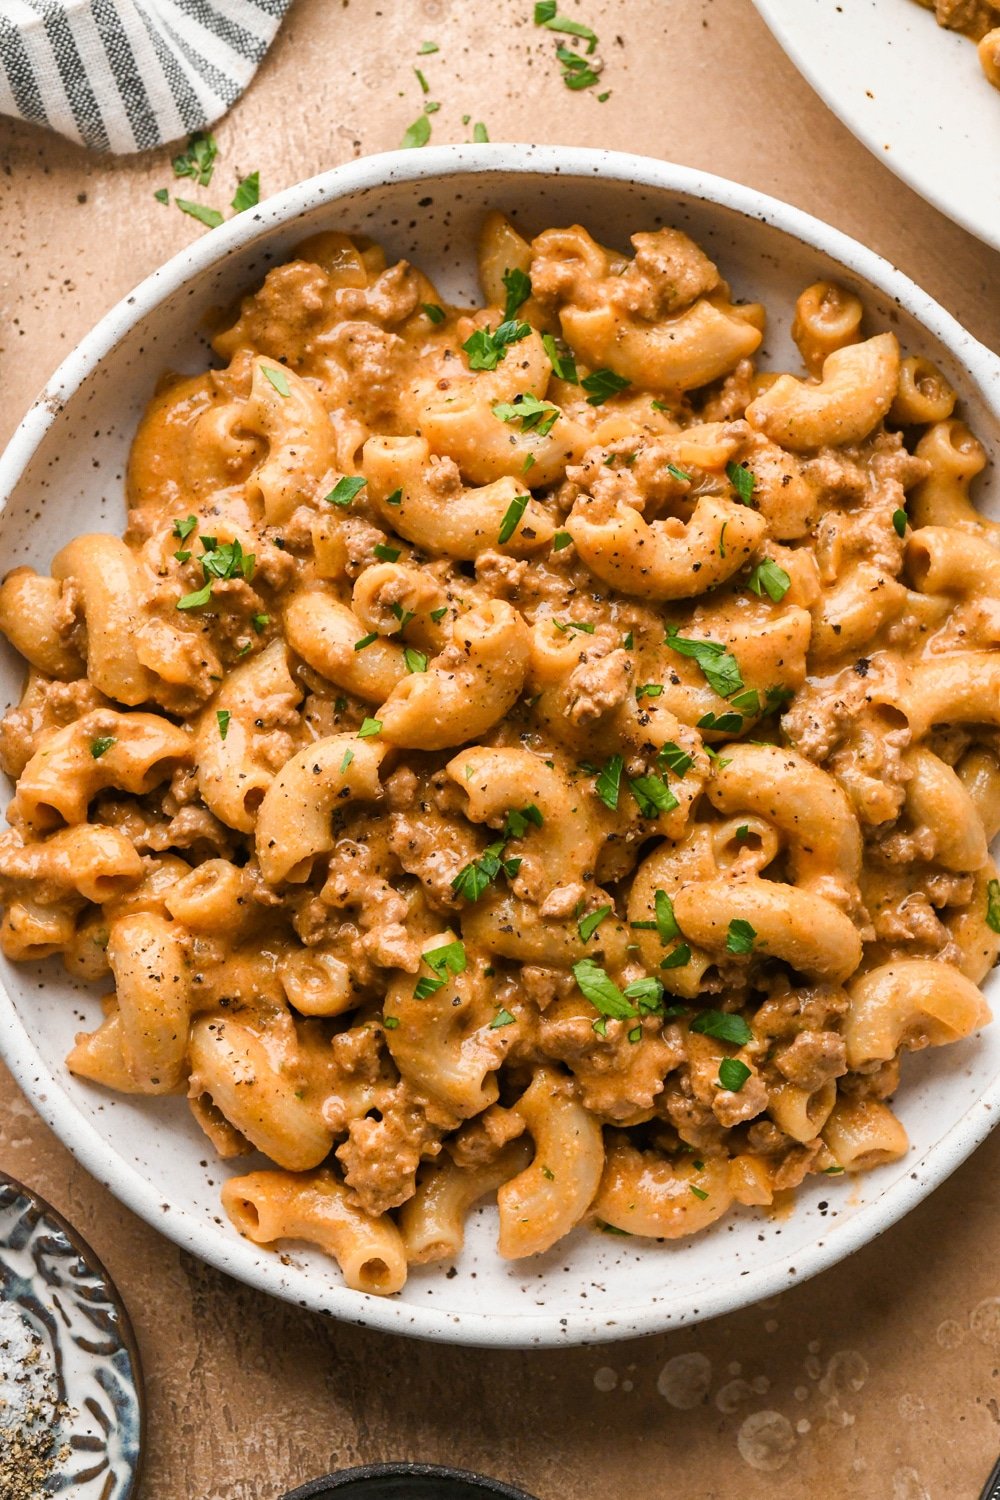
343 1478
46 1088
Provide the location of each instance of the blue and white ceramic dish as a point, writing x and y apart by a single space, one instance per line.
81 1377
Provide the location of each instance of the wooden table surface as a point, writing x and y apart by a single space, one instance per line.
881 1377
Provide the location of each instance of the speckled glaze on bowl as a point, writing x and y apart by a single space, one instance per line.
406 1482
63 474
63 1293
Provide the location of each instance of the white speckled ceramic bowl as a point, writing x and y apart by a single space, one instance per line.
63 474
912 92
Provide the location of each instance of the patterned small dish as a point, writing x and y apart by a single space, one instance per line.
78 1393
406 1482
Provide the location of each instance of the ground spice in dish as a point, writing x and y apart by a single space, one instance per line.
30 1410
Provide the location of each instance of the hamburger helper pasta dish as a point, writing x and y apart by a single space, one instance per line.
528 751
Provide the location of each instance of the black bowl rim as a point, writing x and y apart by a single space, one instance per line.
313 1489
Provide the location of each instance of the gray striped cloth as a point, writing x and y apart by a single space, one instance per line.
125 75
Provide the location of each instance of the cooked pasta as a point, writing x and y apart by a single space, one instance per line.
527 751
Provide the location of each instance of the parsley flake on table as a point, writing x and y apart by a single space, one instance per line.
720 668
602 384
345 490
198 161
426 48
533 414
723 1026
247 194
210 217
424 85
162 195
417 134
487 348
733 1074
577 72
480 134
512 517
768 577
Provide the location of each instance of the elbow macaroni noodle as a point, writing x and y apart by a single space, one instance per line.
529 751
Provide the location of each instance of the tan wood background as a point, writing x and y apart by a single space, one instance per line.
882 1375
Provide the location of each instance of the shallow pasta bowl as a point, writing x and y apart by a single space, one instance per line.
63 474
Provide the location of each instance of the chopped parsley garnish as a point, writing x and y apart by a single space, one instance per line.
747 702
480 134
602 992
609 780
385 553
247 194
426 48
768 577
561 359
720 667
533 414
220 560
560 540
345 490
416 661
677 473
210 217
518 821
437 615
648 993
648 690
993 905
198 161
103 744
585 626
183 529
448 959
678 958
260 622
742 833
666 922
346 761
674 758
161 195
223 717
512 517
741 936
278 379
721 723
396 498
475 878
589 924
369 728
603 384
435 313
628 641
698 1192
404 616
733 1074
424 85
742 481
517 284
487 348
366 640
653 795
723 1026
635 1035
417 134
390 1022
899 522
832 1171
502 1018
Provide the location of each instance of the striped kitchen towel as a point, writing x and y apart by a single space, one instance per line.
125 75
